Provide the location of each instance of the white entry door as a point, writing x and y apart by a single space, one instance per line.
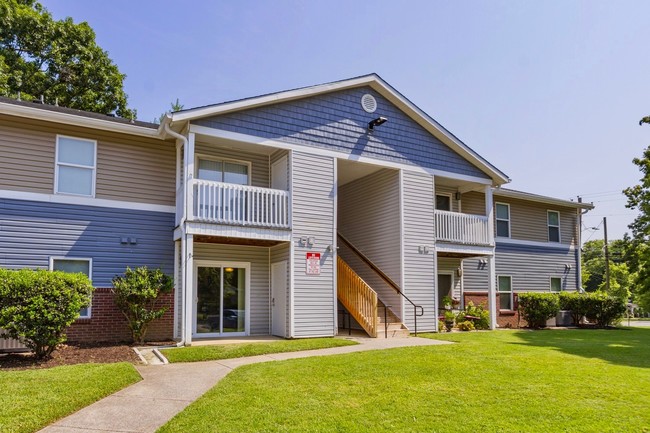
279 298
279 174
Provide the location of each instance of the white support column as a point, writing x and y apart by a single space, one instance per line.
178 289
492 293
188 261
189 176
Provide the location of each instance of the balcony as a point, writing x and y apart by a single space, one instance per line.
240 205
461 228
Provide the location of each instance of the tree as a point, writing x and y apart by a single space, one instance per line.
638 197
59 60
175 106
137 294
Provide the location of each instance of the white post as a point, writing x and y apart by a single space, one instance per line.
492 293
189 176
188 263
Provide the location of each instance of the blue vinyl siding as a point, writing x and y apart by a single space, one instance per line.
337 122
31 232
531 268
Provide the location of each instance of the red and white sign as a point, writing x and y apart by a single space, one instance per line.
313 264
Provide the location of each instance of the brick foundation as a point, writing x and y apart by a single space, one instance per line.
505 319
107 324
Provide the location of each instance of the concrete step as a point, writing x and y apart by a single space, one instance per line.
393 333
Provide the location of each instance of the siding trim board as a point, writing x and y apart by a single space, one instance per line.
84 201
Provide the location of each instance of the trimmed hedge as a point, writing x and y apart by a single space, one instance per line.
37 305
597 307
537 308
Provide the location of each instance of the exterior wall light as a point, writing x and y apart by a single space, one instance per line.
376 122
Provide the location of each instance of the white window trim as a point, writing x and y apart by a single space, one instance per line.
512 301
550 284
559 230
57 164
501 219
198 156
451 200
90 274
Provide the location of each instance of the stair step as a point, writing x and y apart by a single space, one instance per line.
397 333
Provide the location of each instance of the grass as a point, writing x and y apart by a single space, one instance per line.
504 381
227 351
32 399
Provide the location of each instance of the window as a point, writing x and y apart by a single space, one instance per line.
553 218
443 202
505 292
76 164
223 171
503 220
74 265
556 284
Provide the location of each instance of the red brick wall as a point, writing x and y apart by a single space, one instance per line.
505 319
107 324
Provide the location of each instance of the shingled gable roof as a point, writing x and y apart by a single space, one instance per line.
375 82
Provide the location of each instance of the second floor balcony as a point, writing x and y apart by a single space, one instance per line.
461 228
239 205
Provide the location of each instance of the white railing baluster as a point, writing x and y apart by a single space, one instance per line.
461 228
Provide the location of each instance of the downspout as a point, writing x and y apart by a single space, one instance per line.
178 136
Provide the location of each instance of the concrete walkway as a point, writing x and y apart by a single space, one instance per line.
166 390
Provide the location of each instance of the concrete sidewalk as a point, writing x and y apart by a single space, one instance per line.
166 390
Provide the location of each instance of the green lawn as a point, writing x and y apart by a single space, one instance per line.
226 351
32 399
504 381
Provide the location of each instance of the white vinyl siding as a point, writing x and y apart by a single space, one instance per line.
504 286
503 220
313 196
419 266
74 265
76 166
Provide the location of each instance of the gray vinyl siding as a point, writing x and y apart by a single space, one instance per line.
419 268
281 253
260 290
473 203
447 265
314 192
260 171
446 190
531 268
32 232
336 121
129 168
369 217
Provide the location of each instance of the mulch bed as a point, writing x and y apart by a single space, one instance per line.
69 354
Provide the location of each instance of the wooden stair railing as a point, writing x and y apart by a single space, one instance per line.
357 297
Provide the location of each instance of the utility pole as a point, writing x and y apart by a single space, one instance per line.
606 254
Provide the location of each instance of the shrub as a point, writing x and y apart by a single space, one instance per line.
482 315
467 325
574 302
604 310
37 305
537 308
136 296
441 326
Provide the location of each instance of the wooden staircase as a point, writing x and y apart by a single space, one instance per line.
361 301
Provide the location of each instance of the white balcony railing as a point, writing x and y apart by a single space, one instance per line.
225 203
462 228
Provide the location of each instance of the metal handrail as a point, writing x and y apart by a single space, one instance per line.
387 279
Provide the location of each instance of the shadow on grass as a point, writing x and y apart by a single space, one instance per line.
622 346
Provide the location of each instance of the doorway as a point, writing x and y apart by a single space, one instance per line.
445 286
279 298
221 299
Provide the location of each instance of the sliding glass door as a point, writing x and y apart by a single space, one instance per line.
220 300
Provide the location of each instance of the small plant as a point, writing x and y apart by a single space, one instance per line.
447 302
449 319
136 296
480 317
441 326
37 306
537 308
467 325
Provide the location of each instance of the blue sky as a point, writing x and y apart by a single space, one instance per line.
550 92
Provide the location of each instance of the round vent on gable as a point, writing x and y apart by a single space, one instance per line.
368 103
